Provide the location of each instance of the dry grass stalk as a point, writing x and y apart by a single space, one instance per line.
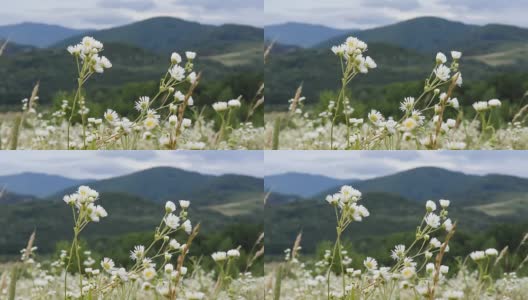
29 246
4 46
438 262
33 98
296 245
268 51
296 99
502 254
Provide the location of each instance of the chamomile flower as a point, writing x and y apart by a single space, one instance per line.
441 58
170 207
442 72
432 220
107 264
398 252
111 116
138 252
176 58
149 273
177 73
172 221
220 106
370 263
407 105
142 104
219 256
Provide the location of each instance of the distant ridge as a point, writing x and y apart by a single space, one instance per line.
300 34
37 34
431 34
166 34
37 184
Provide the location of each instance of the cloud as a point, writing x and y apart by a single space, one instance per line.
485 5
104 164
215 5
101 14
365 14
136 5
106 19
368 164
395 4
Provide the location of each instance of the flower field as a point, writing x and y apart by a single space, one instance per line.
418 270
432 120
168 120
164 269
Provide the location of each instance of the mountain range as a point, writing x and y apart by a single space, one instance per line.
423 34
300 184
140 55
37 34
404 53
134 202
300 34
37 184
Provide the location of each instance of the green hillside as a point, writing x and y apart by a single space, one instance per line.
164 183
37 184
431 34
389 214
429 183
300 184
300 34
164 35
319 70
7 197
127 214
55 69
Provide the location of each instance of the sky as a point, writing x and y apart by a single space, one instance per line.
362 14
369 164
106 164
97 14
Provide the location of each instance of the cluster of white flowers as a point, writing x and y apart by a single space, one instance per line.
346 200
221 256
84 200
482 106
352 51
88 51
480 255
223 106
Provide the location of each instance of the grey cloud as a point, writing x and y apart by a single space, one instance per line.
223 5
136 5
372 19
107 19
396 4
136 155
402 155
486 5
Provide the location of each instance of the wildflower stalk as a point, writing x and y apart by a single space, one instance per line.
183 106
15 133
439 258
277 286
443 104
13 283
181 258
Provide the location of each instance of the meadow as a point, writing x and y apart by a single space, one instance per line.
166 266
432 118
169 118
420 265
